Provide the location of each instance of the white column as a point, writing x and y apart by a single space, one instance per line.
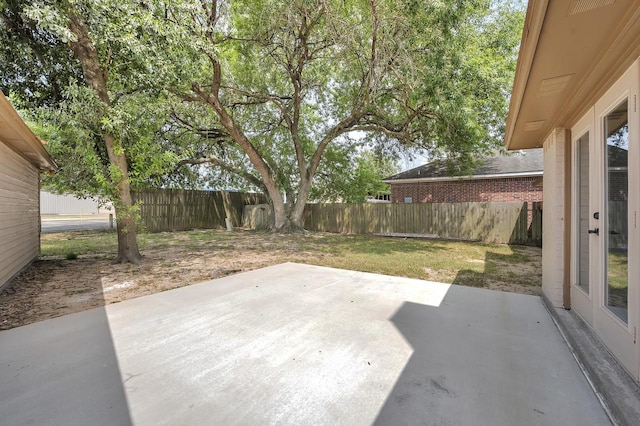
553 235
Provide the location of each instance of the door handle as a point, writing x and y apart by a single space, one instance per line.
594 231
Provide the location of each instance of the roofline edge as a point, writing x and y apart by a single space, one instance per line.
534 19
458 178
30 138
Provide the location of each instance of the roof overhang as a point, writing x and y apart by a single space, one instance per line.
459 178
571 52
16 135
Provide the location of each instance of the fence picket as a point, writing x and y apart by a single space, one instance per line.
178 209
508 223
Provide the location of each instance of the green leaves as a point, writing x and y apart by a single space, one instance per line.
353 176
49 18
297 78
131 41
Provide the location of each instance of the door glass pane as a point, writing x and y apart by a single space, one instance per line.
583 212
616 175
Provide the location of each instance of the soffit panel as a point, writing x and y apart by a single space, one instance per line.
16 134
572 53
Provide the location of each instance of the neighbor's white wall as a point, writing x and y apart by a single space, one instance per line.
19 213
69 204
553 217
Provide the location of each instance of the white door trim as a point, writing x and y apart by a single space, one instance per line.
616 334
581 300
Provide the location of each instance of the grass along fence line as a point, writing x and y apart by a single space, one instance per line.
477 264
504 223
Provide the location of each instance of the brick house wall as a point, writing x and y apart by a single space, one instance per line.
463 191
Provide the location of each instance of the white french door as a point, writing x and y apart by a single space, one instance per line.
606 241
583 207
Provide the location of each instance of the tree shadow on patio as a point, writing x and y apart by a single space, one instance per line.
485 357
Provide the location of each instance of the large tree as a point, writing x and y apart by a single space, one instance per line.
96 83
272 91
287 80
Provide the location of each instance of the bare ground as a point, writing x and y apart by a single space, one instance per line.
54 286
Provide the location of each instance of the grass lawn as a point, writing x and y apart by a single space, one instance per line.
466 263
75 271
618 279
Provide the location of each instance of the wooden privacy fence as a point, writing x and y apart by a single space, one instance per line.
508 223
180 209
535 226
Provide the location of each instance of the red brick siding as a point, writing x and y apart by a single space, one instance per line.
462 191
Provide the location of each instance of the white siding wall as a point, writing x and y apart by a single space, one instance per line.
19 213
67 204
553 217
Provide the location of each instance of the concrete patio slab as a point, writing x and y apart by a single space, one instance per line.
300 345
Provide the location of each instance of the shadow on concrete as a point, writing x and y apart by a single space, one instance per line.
243 352
412 400
486 357
43 382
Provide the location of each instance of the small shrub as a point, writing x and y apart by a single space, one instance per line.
70 255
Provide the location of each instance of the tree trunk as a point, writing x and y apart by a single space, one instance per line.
85 51
281 213
127 243
282 223
301 201
281 219
125 212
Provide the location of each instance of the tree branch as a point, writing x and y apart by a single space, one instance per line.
295 68
212 159
84 49
266 172
206 133
262 97
341 128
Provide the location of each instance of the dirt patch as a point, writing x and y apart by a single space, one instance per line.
533 290
54 286
520 277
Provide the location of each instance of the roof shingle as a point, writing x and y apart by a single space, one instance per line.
529 161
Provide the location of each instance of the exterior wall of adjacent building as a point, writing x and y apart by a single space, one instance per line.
19 213
70 204
468 190
553 217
